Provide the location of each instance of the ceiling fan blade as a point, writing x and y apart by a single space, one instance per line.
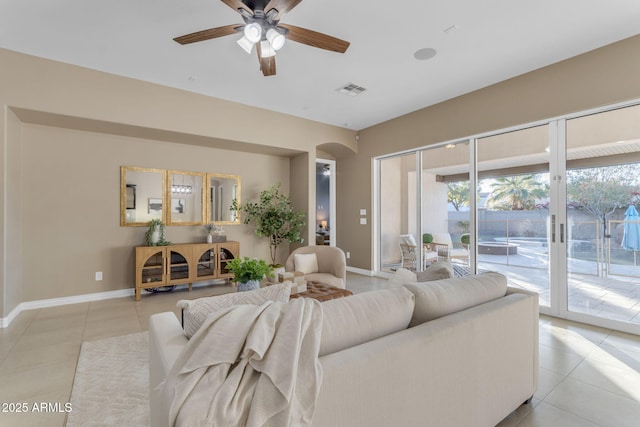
211 33
315 39
237 5
282 6
268 64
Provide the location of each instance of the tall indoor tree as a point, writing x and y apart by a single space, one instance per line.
273 217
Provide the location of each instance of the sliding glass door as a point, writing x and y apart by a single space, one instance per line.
513 208
446 206
553 206
603 231
397 227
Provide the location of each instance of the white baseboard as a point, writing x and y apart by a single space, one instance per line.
53 302
360 271
75 299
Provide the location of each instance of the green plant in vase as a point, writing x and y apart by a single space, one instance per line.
248 272
155 234
465 239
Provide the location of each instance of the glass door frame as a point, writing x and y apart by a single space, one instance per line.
560 274
558 278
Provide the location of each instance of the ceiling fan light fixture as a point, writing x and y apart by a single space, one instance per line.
275 38
253 32
246 44
261 24
266 51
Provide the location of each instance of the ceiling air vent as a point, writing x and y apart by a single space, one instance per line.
351 89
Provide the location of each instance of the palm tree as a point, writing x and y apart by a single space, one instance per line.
517 192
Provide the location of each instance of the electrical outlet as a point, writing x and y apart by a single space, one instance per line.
98 275
348 254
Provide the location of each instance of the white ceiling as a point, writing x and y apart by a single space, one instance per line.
493 41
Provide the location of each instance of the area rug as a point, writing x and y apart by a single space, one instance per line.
111 385
460 271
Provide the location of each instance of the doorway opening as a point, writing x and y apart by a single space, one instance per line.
325 202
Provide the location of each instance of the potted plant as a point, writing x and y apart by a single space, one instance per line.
274 218
248 272
465 239
155 234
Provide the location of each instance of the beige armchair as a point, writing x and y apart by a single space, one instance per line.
331 264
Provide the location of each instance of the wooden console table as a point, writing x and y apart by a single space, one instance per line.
185 263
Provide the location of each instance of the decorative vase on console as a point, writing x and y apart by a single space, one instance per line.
209 228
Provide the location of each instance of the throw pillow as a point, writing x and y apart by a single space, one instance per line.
307 263
363 317
402 276
195 312
436 271
442 297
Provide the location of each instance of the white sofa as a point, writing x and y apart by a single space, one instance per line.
472 365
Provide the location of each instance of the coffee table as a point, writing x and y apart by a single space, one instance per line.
322 292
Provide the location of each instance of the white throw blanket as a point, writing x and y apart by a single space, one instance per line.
250 365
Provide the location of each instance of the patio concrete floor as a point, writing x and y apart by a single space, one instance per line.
616 296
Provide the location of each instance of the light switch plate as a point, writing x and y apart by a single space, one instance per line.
363 221
363 211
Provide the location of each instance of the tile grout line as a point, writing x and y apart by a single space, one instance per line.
84 328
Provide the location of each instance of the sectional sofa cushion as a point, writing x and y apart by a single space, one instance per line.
363 317
194 312
437 271
402 276
441 297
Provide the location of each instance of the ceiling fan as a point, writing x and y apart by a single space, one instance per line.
262 29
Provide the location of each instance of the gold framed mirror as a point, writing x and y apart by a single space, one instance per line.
185 198
142 195
221 190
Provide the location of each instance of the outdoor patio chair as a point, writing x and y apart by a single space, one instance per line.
448 250
409 251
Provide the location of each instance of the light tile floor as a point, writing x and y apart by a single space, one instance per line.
589 376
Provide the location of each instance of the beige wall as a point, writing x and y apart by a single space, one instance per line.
72 130
12 199
602 77
71 202
303 194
